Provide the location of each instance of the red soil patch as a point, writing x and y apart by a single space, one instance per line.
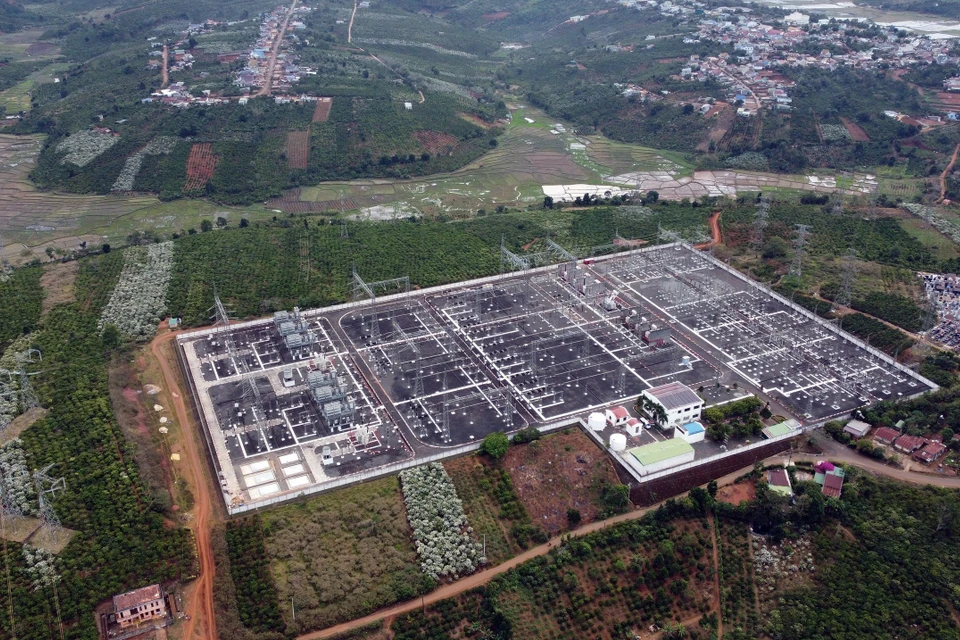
856 131
322 112
736 493
298 149
493 17
436 142
948 99
201 164
559 472
480 122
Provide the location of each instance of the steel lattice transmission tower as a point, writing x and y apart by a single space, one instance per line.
760 221
47 487
250 393
847 274
801 235
27 395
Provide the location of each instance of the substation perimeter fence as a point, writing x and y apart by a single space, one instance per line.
429 291
823 323
385 470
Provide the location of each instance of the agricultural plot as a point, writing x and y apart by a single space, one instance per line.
322 110
611 584
343 555
738 598
31 216
435 142
298 149
490 506
201 164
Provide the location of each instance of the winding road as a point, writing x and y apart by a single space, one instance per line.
195 470
946 172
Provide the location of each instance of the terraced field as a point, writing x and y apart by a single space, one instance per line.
28 215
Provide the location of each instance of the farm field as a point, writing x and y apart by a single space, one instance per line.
322 111
476 481
28 216
343 554
201 164
17 97
611 584
298 149
559 472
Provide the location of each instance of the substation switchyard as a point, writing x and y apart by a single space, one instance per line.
309 400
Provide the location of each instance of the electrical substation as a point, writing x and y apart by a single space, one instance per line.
308 400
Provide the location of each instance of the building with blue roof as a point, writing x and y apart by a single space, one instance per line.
691 432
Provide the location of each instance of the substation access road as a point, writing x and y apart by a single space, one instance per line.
196 470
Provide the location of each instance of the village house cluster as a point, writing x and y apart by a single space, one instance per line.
944 291
253 76
760 48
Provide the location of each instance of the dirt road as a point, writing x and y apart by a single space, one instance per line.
833 450
267 87
350 26
715 236
946 172
166 65
200 606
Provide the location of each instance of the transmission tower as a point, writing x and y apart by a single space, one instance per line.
250 393
760 221
418 382
837 207
445 427
667 235
847 275
47 487
343 230
28 397
801 234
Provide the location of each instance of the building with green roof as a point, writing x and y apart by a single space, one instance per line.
658 456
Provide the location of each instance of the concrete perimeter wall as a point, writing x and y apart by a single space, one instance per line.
673 484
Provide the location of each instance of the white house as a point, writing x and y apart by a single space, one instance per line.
634 427
679 402
616 416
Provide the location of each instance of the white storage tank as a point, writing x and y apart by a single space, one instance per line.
596 421
618 442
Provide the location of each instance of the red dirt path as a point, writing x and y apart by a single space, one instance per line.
946 172
201 601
